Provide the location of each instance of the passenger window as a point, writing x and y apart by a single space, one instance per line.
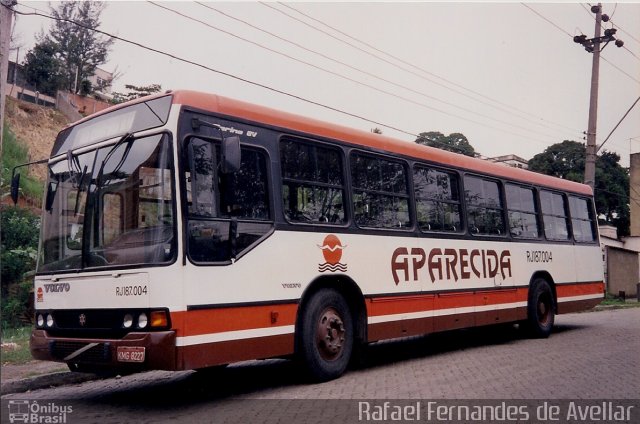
380 194
228 213
521 205
437 196
312 183
484 206
582 219
554 216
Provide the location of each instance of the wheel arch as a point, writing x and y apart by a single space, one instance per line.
352 294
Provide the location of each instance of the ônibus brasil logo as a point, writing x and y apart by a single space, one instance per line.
332 251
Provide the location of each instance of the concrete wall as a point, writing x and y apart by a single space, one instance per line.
622 271
634 183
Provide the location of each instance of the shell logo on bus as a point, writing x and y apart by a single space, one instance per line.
332 249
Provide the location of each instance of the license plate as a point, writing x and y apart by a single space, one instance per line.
130 354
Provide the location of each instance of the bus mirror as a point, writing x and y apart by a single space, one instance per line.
51 195
230 154
15 188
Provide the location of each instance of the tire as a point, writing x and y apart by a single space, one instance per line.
540 309
326 336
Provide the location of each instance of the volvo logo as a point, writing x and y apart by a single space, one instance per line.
83 319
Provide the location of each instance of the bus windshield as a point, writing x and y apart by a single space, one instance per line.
111 206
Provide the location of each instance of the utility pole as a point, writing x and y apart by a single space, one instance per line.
6 18
593 46
590 160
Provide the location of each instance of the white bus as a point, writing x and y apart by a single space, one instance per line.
188 230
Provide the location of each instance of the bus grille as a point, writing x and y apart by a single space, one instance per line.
97 354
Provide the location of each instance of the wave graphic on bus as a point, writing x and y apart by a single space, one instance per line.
332 268
332 249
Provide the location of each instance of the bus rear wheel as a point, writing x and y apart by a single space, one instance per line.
540 309
326 338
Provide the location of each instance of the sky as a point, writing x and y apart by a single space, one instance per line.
506 75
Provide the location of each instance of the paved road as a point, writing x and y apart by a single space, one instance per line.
589 356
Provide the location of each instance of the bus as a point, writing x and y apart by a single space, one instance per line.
188 230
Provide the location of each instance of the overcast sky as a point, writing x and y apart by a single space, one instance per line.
502 75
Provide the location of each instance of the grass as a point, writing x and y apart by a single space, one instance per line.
611 300
13 153
19 336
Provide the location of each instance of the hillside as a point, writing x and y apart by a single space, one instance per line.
36 127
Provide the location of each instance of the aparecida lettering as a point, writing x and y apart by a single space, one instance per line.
447 264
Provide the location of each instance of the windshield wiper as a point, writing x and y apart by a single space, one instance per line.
126 137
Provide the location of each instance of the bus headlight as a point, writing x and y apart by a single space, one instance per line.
40 320
128 321
49 320
142 320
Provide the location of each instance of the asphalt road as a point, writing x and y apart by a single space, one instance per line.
590 356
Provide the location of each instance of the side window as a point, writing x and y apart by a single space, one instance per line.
380 194
437 196
312 183
521 206
484 206
582 219
228 213
554 216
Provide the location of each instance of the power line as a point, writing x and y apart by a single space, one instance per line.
546 19
208 68
361 83
619 69
43 14
618 124
503 108
626 32
371 74
565 32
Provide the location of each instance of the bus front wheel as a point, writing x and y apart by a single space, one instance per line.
326 339
540 309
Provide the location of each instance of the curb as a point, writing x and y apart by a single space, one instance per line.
46 380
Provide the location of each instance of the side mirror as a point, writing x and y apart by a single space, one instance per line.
15 179
15 188
51 195
231 154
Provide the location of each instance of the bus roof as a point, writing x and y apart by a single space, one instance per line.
261 114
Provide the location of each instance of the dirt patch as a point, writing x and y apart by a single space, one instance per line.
36 127
17 372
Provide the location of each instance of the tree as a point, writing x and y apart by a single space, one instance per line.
43 69
454 142
136 92
566 160
79 48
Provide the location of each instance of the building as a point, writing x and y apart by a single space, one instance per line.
101 82
622 256
511 160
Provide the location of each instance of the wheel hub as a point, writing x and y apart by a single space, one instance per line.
331 334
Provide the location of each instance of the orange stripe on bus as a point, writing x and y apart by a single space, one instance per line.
218 320
579 289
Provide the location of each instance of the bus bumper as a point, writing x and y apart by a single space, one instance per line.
134 352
